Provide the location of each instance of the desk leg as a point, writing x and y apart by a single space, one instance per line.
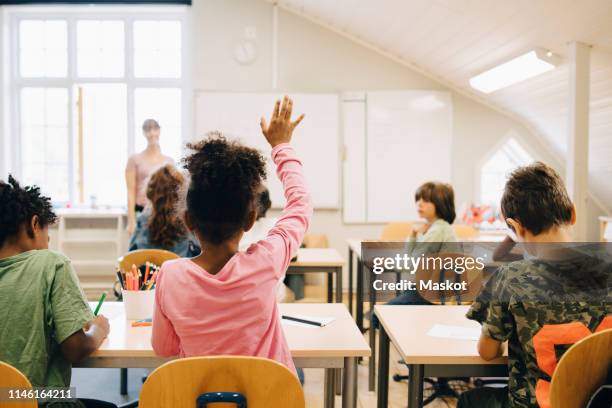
330 287
349 384
338 300
123 381
372 336
415 385
359 295
328 386
350 281
338 285
383 369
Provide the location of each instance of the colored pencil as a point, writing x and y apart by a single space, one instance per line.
100 303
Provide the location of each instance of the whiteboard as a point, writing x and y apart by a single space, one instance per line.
407 141
316 139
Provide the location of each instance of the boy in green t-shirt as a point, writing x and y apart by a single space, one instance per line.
542 304
45 321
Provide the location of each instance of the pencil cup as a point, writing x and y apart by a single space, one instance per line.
138 304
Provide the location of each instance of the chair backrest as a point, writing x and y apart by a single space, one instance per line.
10 377
582 369
465 232
396 231
140 256
265 383
316 241
471 275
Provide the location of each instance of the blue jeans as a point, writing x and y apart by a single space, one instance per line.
410 297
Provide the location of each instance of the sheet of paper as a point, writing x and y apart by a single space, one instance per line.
319 319
454 332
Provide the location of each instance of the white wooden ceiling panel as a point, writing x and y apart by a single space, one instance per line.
456 39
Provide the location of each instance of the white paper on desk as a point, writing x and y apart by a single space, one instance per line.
319 319
454 332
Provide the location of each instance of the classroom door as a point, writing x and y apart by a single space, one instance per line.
101 143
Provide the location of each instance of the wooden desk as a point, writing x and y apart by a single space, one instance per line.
407 326
335 346
317 260
364 277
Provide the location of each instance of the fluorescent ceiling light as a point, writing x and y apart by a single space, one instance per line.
526 66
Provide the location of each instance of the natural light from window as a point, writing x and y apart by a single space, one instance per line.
84 85
497 168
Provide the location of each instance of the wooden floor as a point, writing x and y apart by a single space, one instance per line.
398 391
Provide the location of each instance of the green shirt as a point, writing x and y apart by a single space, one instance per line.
41 305
440 237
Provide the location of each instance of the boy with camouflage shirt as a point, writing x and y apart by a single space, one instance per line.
542 305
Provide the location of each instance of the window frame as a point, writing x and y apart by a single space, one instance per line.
71 14
510 135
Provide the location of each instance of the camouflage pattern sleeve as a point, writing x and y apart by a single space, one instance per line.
490 308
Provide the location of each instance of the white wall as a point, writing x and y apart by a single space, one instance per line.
3 85
312 58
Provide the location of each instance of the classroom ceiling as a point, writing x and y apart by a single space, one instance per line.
452 40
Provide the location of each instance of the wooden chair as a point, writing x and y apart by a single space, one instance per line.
316 241
10 377
261 382
140 256
582 369
471 276
396 231
465 232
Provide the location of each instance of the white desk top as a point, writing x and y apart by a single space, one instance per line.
318 257
407 327
341 338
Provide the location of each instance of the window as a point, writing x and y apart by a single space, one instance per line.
43 48
44 137
84 81
496 169
100 49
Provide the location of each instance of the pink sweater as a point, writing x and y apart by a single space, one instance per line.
234 312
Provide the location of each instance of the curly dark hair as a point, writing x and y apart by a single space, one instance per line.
225 180
165 225
17 207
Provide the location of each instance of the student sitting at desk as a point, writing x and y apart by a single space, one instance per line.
222 302
542 304
436 205
45 321
159 226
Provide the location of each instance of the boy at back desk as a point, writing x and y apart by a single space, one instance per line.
543 304
45 321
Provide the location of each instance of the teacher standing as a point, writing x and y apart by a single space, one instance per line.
139 168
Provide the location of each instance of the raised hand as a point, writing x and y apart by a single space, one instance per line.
281 127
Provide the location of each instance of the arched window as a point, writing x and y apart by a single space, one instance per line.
497 168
